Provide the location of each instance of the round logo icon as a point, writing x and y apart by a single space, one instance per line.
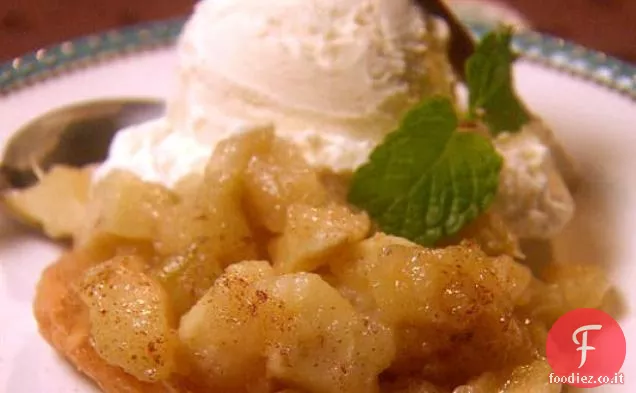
586 348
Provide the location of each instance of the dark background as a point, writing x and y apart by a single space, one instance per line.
25 25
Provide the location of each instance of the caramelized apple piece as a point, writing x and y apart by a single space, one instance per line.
293 328
582 286
130 319
513 277
411 385
211 219
533 377
186 277
123 205
492 234
208 230
318 342
313 234
222 331
57 202
451 309
277 179
566 287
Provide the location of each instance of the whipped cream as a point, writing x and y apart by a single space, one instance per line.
533 198
156 154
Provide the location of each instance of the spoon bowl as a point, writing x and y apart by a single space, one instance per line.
75 135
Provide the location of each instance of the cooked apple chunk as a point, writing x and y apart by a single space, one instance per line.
210 217
564 288
222 331
123 205
318 342
278 178
313 234
492 234
207 229
130 319
57 202
293 328
532 377
450 303
186 277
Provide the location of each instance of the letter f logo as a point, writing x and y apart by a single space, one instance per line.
583 343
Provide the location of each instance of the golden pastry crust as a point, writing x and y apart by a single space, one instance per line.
63 322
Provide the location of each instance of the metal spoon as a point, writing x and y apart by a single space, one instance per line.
74 135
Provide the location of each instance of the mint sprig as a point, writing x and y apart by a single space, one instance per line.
492 96
427 179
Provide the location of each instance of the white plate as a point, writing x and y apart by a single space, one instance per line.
594 120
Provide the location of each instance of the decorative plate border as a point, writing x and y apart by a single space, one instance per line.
539 48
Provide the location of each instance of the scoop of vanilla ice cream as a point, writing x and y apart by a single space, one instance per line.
333 76
533 197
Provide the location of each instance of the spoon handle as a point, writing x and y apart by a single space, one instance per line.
462 45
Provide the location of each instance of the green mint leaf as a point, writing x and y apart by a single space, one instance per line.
490 86
427 179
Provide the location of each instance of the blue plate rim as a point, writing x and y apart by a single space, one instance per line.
46 63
